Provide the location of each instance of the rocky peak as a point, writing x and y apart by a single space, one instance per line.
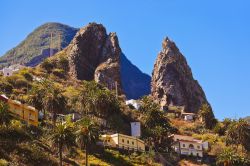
172 80
95 55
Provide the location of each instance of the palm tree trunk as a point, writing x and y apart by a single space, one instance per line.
54 119
86 156
44 114
60 154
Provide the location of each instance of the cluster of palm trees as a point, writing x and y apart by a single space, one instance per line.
237 134
207 116
82 133
96 100
47 96
157 127
91 100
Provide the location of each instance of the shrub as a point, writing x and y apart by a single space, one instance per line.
3 162
6 87
63 63
48 65
59 73
21 83
28 76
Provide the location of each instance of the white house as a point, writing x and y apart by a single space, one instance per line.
134 103
8 71
188 116
186 145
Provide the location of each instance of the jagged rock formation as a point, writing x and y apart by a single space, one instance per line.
35 48
135 84
95 55
172 81
32 50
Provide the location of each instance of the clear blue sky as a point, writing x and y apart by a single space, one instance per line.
214 35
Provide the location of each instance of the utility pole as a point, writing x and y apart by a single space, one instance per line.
59 42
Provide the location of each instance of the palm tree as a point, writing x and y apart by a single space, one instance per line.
207 116
4 114
238 133
229 157
86 134
53 100
35 97
63 136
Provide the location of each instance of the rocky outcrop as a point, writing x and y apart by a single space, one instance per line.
95 55
172 81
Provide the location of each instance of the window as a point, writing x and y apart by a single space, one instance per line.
198 147
183 145
128 141
123 140
191 146
132 142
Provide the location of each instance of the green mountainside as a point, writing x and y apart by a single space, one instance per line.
38 41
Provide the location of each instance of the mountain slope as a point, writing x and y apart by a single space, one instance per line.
247 119
37 44
134 83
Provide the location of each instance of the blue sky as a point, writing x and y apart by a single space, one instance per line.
214 36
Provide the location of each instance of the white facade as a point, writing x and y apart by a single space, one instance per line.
135 129
205 145
188 117
134 103
7 71
189 146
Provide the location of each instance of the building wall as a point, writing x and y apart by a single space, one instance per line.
128 142
124 142
24 112
7 71
191 148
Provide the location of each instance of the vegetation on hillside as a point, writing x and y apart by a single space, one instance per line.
37 41
63 142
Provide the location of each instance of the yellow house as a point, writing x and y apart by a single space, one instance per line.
23 112
122 141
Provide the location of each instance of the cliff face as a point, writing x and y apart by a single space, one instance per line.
94 54
172 81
